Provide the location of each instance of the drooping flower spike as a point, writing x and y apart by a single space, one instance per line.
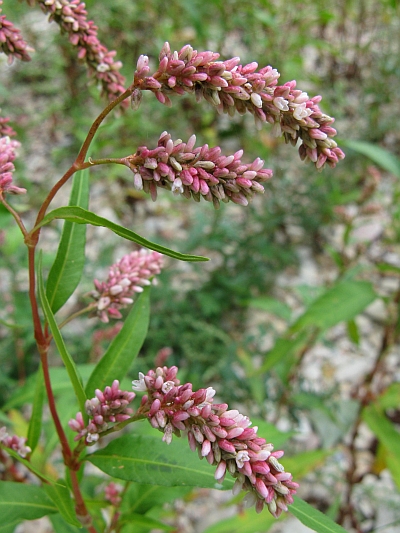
72 17
196 173
11 40
126 278
232 88
222 435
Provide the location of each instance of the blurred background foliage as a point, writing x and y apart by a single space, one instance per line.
209 314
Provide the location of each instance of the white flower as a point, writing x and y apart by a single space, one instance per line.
281 103
139 384
301 111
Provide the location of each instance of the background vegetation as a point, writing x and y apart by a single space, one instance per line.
295 318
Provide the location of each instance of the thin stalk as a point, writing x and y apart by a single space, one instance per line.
16 216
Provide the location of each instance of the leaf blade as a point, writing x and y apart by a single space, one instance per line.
82 216
66 271
174 465
66 357
124 348
312 518
20 501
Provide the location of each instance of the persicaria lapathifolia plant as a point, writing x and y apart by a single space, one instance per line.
221 435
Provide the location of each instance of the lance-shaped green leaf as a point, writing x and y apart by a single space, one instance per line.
133 521
60 495
26 463
35 422
247 521
124 348
378 155
19 501
82 216
312 518
342 302
66 272
387 436
147 459
66 357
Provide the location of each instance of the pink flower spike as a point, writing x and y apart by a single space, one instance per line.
126 278
236 449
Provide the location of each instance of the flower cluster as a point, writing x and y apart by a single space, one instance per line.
7 156
15 443
71 16
200 172
108 406
11 41
232 88
222 436
112 493
126 277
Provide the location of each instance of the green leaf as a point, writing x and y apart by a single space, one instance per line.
28 464
124 348
66 272
35 422
273 306
387 436
391 397
61 526
342 302
61 497
66 357
19 501
139 520
59 381
284 348
149 460
82 216
140 498
378 155
352 330
10 527
247 521
302 463
312 518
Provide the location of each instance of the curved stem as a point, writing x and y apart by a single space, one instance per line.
79 163
78 313
16 216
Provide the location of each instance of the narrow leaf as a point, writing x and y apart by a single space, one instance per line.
82 216
312 518
378 155
35 422
342 302
139 520
147 459
61 497
28 464
387 436
66 357
272 305
125 347
352 330
67 268
21 501
60 526
247 521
